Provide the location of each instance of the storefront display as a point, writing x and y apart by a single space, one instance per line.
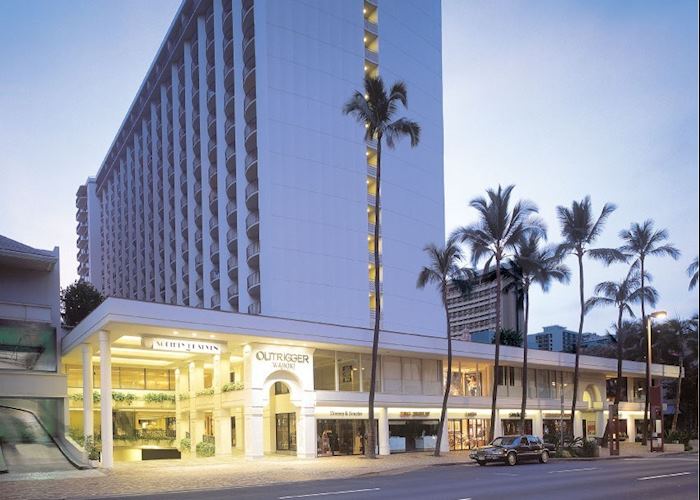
551 429
412 435
511 426
467 433
341 437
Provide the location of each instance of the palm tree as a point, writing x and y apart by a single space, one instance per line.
580 228
621 295
692 271
444 270
496 233
534 263
642 241
376 110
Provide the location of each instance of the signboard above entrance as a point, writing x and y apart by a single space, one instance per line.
182 345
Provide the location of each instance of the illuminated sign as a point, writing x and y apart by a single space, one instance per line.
181 345
283 360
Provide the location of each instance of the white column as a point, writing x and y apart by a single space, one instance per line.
196 371
578 424
445 440
237 413
537 424
106 400
631 429
497 430
178 426
600 421
383 420
222 430
306 433
88 424
253 433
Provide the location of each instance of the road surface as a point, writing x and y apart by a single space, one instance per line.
668 477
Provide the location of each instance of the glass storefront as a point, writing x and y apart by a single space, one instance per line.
412 435
467 433
551 430
340 437
286 431
126 378
511 426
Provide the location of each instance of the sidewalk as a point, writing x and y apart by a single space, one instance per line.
160 476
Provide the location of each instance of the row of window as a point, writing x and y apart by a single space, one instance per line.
126 378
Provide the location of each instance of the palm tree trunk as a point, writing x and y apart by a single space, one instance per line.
677 402
523 403
579 338
497 354
370 449
448 382
645 332
618 388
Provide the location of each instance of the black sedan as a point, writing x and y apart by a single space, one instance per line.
511 450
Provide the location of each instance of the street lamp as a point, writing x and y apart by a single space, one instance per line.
647 404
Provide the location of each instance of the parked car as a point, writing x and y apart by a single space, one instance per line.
511 450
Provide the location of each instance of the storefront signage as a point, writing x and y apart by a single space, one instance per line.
471 414
181 345
515 414
409 414
283 360
346 413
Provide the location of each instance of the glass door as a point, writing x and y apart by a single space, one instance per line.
286 431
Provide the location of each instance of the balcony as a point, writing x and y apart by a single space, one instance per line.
196 143
252 225
211 75
231 213
228 77
232 291
231 186
230 129
183 187
198 239
249 80
214 278
232 266
248 20
198 215
216 301
198 192
214 254
228 51
371 56
254 308
251 195
253 253
232 240
229 103
230 159
214 228
211 127
251 137
198 263
251 167
371 26
227 23
371 200
211 101
213 176
199 286
254 283
249 51
249 107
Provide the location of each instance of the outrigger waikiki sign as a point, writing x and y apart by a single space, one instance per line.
283 360
181 345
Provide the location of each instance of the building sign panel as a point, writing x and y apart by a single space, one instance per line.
283 360
183 345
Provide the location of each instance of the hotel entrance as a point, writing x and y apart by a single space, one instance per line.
286 432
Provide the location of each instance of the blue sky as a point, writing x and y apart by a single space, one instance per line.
562 99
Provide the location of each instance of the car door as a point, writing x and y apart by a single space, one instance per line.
524 448
536 446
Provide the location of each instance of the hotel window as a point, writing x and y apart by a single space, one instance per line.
324 370
366 367
432 376
131 378
611 388
638 389
391 370
531 383
158 380
74 376
411 375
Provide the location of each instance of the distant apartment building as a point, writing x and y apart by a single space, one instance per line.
473 317
557 338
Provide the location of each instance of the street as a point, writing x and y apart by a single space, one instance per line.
670 477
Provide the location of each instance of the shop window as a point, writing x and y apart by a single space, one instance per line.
511 426
411 375
638 389
611 388
391 369
467 433
348 371
551 429
131 378
412 435
158 379
324 370
432 376
366 367
341 436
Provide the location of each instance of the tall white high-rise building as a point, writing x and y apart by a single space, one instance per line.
236 183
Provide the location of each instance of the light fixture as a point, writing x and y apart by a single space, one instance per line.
659 315
194 334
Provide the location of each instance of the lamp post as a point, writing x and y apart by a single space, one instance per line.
647 404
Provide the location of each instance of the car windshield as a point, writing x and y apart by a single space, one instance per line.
503 441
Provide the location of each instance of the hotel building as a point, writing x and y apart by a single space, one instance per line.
230 226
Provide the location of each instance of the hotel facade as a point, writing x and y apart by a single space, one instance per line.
230 227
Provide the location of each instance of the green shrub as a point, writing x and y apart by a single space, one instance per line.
92 448
183 396
205 392
185 444
679 436
232 386
123 397
206 448
76 396
158 397
96 398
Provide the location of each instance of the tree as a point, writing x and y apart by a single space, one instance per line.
580 228
509 337
490 239
642 241
376 110
78 300
692 271
444 270
621 295
534 263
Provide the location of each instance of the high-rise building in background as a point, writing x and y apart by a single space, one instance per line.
235 182
559 338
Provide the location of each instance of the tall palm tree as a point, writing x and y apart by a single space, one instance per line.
490 239
534 263
692 271
621 295
376 110
642 241
445 271
580 229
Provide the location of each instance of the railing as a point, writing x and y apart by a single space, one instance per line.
371 56
254 308
252 250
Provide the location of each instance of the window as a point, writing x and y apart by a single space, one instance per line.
391 367
131 378
281 388
366 367
611 388
411 375
348 371
158 380
324 370
638 389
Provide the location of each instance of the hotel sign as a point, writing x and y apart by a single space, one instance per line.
283 360
181 345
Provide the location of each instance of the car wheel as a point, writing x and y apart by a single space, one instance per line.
544 457
481 462
511 459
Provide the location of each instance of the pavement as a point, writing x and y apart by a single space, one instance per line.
413 475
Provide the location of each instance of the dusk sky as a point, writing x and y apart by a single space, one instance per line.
562 99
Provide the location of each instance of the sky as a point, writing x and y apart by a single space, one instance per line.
563 99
